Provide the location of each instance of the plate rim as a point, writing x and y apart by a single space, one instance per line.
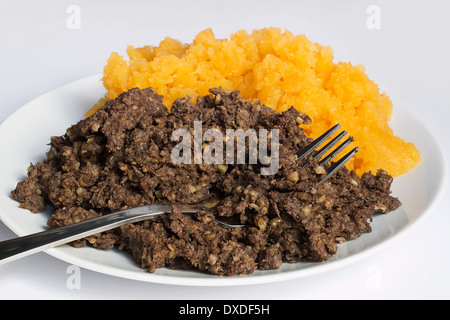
249 279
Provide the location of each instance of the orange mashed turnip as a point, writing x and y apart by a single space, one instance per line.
281 70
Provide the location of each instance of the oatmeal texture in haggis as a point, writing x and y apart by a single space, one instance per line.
120 157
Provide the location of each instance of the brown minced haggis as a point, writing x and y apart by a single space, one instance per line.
121 157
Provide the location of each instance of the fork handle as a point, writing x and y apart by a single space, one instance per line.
23 246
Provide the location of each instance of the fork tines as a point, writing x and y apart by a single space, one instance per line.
317 154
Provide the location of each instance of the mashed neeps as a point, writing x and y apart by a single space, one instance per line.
281 70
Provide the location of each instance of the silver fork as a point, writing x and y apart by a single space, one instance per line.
317 154
23 246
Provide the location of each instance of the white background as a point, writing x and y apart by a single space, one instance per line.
408 57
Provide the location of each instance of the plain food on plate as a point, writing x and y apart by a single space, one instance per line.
281 70
121 157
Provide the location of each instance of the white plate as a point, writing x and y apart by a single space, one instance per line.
25 134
